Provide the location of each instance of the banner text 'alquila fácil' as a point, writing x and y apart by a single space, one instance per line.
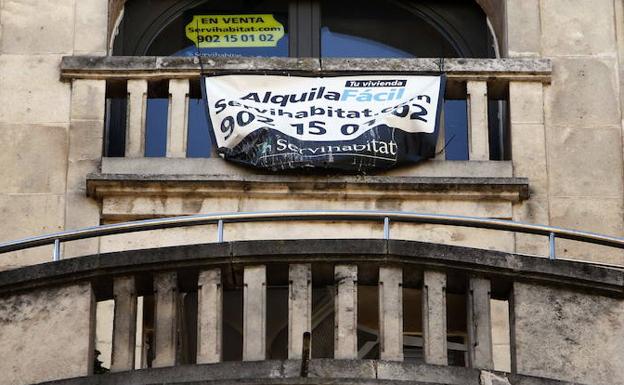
352 123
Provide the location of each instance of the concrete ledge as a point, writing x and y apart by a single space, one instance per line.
130 67
218 166
502 268
435 179
321 372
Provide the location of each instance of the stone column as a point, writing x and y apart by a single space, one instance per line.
479 324
166 325
178 118
254 313
391 313
528 146
86 133
299 307
478 139
124 324
209 316
434 318
345 334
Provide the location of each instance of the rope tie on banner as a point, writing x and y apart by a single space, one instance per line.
441 63
202 87
441 71
446 145
199 55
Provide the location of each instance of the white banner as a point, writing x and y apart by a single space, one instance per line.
348 122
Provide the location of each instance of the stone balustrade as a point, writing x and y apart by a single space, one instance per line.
191 295
475 80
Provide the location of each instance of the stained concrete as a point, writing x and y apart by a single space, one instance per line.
46 334
573 48
569 274
159 67
568 335
322 372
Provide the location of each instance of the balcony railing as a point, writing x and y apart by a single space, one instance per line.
386 217
136 82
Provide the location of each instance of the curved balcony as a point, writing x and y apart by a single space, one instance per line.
377 310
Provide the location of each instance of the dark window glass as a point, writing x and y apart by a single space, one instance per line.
322 319
335 44
159 28
368 321
232 336
199 142
395 29
426 28
457 353
499 139
115 119
116 109
156 127
456 328
456 129
347 28
412 320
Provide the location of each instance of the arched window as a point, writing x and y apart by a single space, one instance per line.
160 28
349 28
310 28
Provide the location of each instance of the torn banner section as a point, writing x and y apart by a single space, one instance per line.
348 123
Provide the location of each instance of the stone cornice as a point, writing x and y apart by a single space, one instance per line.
501 267
511 189
151 67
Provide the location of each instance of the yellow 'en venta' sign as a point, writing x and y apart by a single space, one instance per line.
226 31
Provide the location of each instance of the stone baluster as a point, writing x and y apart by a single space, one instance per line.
479 324
345 334
166 323
478 138
254 313
209 317
299 307
124 324
137 107
178 118
434 318
391 313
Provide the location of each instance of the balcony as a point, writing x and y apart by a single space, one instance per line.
378 310
137 80
135 186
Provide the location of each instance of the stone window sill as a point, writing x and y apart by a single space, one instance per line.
455 180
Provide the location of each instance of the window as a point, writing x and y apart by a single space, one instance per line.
349 28
158 28
307 28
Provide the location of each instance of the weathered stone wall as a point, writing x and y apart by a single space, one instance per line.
238 189
50 133
567 137
581 183
46 335
567 335
53 130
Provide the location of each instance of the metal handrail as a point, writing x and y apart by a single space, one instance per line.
386 216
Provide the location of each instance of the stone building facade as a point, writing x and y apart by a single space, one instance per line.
557 67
